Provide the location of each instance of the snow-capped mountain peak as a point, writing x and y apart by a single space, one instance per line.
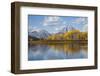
41 34
67 28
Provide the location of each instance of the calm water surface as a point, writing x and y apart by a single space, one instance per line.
57 51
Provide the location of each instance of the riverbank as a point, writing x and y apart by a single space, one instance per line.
57 41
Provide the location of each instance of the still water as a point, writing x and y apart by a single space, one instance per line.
57 51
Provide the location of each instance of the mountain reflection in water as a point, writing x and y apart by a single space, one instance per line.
57 51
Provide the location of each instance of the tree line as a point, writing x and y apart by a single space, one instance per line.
70 35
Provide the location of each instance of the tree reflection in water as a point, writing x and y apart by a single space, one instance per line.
57 51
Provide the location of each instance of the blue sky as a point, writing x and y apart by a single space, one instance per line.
53 24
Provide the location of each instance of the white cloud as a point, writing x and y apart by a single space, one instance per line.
31 28
83 20
56 29
53 18
59 28
51 21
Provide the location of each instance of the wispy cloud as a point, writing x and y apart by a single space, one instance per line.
31 28
52 21
82 20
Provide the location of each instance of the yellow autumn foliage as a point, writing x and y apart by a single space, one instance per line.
70 35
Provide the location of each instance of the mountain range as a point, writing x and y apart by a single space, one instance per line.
66 29
43 34
40 34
